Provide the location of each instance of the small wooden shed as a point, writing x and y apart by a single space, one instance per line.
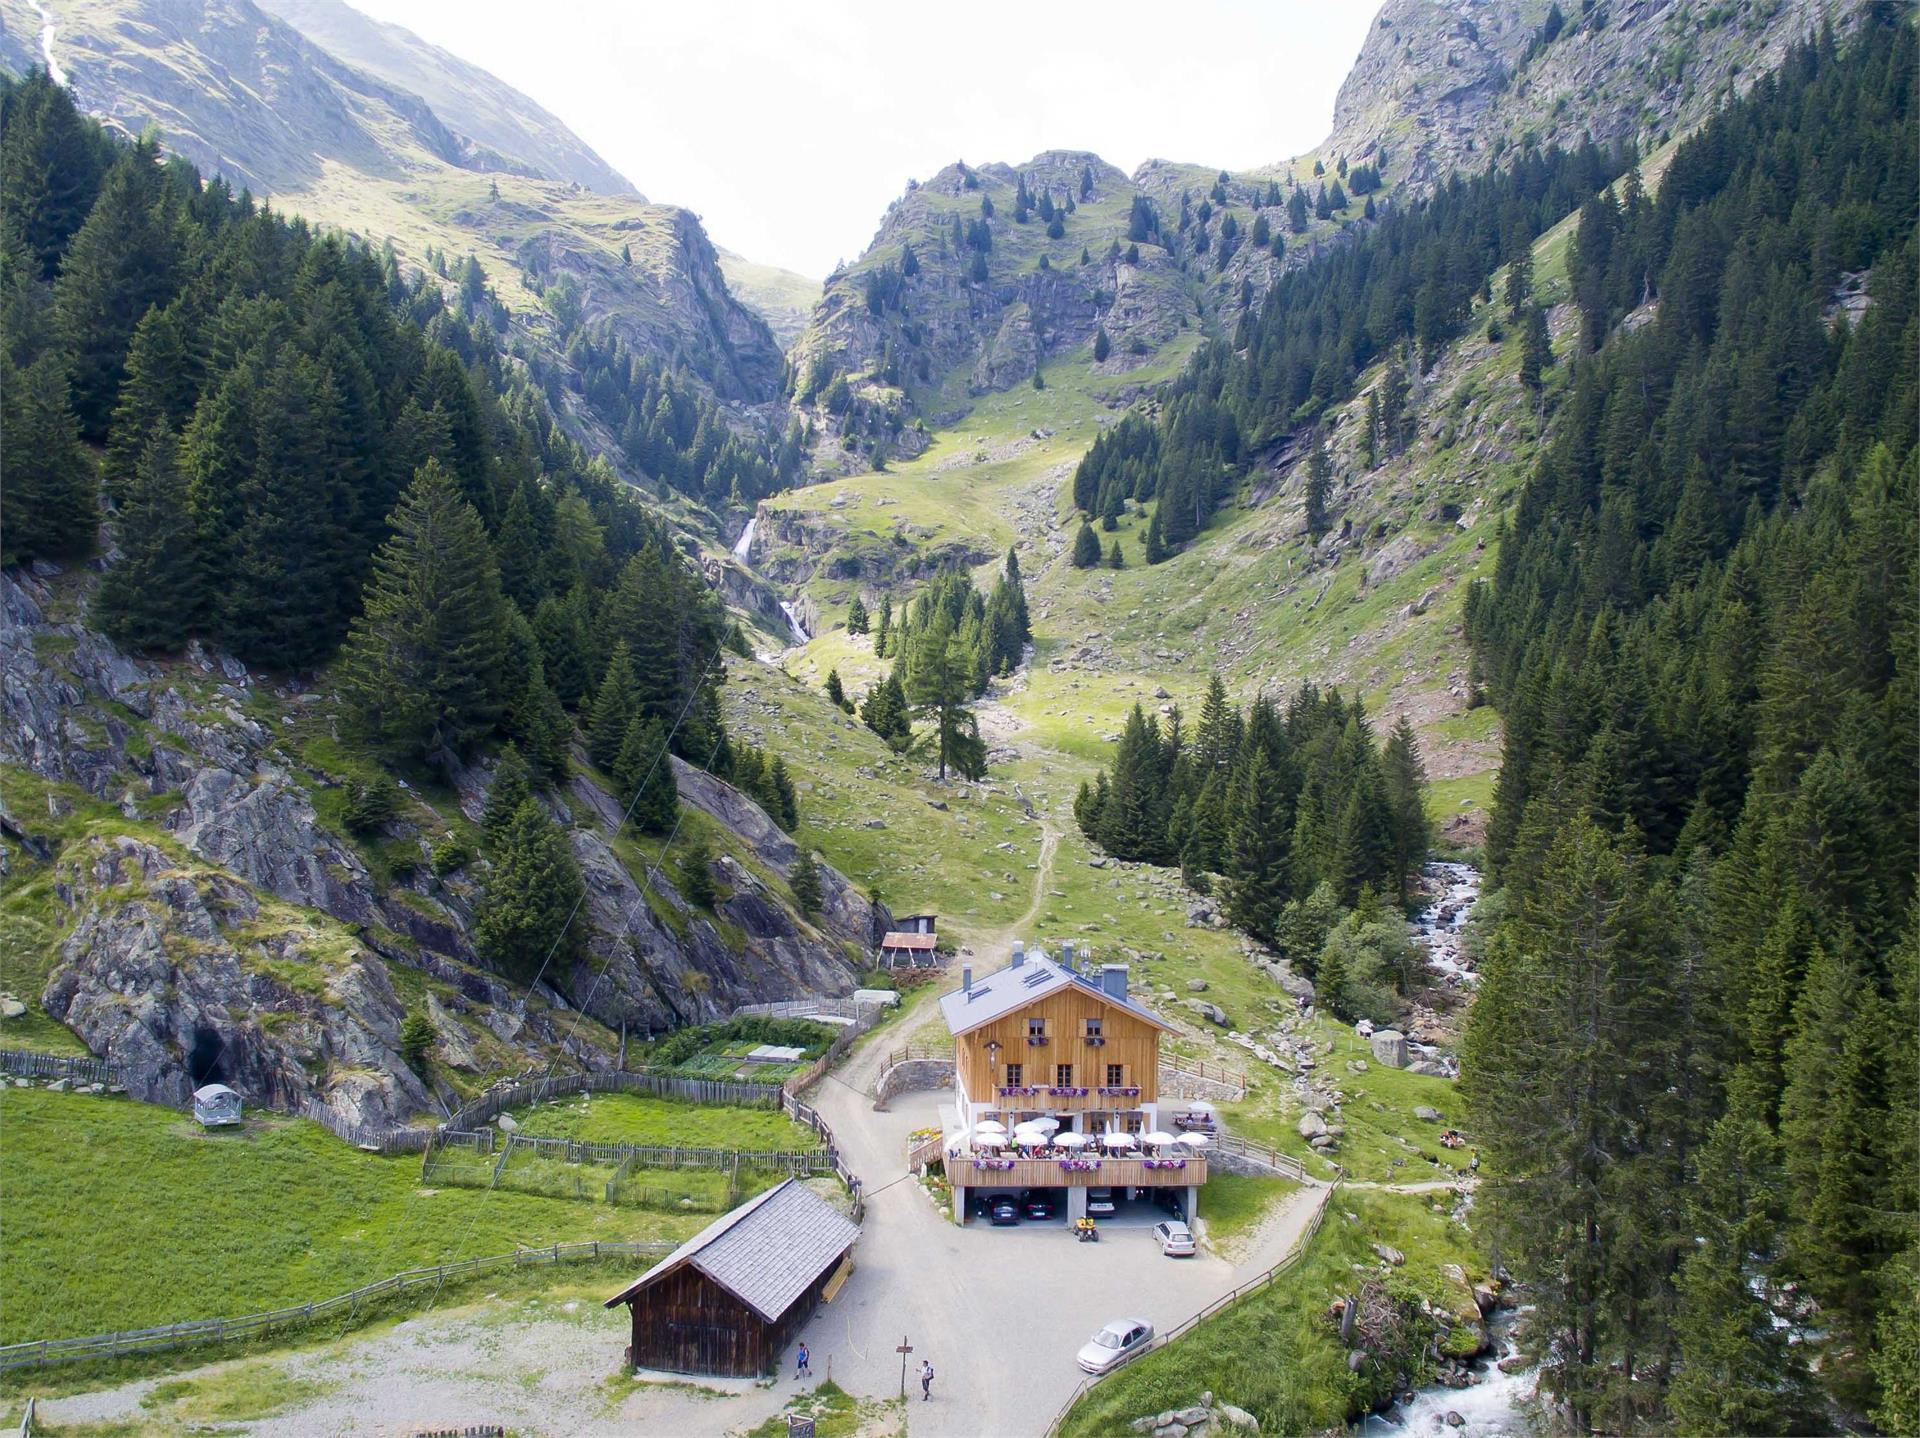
730 1299
903 950
215 1105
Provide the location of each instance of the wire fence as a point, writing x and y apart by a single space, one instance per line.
1219 1305
47 1351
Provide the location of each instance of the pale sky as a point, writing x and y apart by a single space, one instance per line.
789 127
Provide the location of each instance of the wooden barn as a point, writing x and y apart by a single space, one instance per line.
730 1299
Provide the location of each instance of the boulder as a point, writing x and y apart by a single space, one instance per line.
1390 1048
1239 1418
1389 1254
1426 1114
1312 1126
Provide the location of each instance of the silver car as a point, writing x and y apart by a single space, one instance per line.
1115 1344
1175 1239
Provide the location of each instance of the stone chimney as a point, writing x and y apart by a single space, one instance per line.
1113 980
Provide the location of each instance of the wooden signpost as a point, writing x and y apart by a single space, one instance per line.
903 1350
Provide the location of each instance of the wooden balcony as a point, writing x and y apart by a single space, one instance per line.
1047 1173
1042 1099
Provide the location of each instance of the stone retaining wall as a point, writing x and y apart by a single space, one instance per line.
1175 1084
912 1074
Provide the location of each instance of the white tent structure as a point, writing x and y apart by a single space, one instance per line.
216 1106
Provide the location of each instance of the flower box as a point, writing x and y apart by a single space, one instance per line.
1059 1092
1166 1163
1123 1091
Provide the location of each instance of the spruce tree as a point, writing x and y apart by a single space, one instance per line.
512 786
1256 859
856 616
694 873
883 631
417 1038
836 691
48 492
419 678
644 773
1319 486
1406 782
1536 349
885 712
522 918
153 596
615 703
1115 559
1086 547
52 161
804 882
119 265
1102 346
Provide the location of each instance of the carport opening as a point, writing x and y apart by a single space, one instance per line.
205 1062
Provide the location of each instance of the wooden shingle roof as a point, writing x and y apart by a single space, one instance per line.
765 1253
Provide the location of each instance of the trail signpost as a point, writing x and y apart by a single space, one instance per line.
903 1350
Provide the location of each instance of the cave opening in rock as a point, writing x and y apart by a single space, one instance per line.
204 1064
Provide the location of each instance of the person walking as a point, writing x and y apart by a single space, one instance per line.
805 1360
926 1380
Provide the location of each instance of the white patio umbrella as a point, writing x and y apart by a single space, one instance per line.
1071 1139
1199 1105
989 1140
989 1125
1118 1140
1034 1131
1158 1139
1194 1140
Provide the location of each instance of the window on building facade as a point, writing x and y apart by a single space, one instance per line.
1116 1075
1094 1028
1063 1075
1013 1075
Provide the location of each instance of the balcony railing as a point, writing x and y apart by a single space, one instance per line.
1044 1098
986 1171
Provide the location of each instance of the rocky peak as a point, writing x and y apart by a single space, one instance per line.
1447 84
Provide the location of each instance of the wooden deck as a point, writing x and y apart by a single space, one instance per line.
1047 1173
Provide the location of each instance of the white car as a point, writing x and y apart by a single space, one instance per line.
1115 1344
1175 1239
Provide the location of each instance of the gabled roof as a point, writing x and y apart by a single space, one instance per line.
908 940
765 1253
1011 989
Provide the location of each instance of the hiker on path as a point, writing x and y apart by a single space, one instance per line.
926 1380
805 1358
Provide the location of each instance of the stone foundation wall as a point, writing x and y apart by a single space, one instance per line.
912 1074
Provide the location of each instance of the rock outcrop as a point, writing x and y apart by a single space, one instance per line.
230 930
1446 84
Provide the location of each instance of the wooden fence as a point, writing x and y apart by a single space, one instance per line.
1283 1163
1219 1305
57 1066
1213 1073
256 1325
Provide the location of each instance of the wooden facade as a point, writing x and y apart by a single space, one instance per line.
687 1323
1185 1171
1124 1040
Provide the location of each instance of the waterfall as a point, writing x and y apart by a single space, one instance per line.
58 75
743 546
